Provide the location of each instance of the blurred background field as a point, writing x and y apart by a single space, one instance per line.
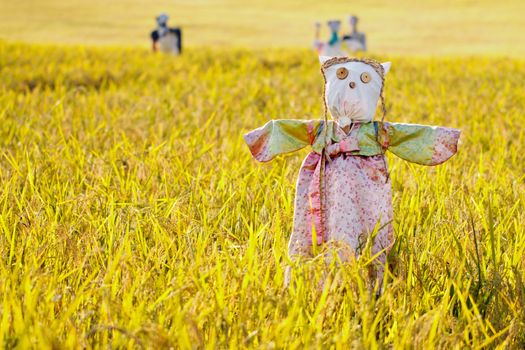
399 27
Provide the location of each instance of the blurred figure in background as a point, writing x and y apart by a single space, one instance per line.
318 44
355 41
166 39
332 47
334 44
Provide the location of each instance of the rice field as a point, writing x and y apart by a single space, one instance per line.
133 216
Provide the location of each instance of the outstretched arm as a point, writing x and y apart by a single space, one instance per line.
281 136
421 144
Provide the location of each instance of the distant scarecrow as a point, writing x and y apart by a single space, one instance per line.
166 39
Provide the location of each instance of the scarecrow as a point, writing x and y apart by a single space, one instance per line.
343 194
166 39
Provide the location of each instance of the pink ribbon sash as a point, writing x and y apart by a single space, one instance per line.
315 191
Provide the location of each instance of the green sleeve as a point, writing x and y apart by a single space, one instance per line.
281 136
421 144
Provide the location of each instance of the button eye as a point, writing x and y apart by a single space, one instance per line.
365 77
342 73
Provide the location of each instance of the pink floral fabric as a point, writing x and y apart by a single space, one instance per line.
357 203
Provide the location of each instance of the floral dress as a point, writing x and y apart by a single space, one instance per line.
356 199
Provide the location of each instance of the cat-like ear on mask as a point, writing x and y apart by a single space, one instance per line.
386 66
323 59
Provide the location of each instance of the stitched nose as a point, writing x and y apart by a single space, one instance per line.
352 85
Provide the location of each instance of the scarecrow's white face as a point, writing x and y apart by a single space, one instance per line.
352 91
